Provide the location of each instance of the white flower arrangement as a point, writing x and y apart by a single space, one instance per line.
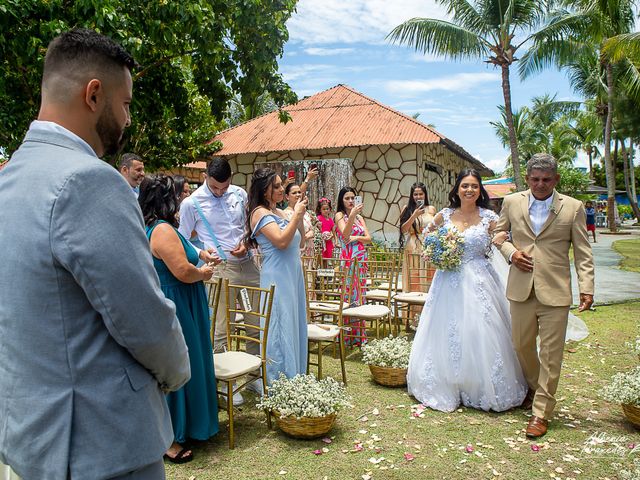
624 388
635 347
391 352
305 396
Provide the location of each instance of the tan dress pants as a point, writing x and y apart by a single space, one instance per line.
529 320
243 273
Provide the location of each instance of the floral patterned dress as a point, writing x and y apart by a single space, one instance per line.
354 256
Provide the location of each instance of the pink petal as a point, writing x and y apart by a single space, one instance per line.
317 452
469 448
535 447
327 440
408 457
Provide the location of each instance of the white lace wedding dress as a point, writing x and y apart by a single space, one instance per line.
462 350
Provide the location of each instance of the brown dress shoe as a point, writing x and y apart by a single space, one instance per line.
537 427
527 403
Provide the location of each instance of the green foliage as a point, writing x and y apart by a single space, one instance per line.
572 180
193 55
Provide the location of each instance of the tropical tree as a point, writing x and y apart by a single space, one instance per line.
484 29
587 130
239 112
193 55
585 28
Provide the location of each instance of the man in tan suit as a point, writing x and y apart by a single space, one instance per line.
543 225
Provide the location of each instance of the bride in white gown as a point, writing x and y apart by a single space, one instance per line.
462 351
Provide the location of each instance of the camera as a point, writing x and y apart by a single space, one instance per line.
357 200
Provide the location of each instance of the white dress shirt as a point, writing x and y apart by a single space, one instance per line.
225 214
539 212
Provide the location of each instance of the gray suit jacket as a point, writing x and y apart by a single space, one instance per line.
87 338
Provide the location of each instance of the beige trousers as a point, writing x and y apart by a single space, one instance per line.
530 319
244 273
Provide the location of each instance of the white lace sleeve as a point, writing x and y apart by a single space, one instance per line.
488 216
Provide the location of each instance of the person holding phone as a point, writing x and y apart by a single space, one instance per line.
293 194
413 220
280 240
353 234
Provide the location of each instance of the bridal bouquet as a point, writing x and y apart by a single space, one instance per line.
443 248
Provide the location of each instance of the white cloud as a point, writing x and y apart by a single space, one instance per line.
304 71
327 52
495 164
336 21
460 82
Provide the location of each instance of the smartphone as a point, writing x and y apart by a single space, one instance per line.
419 203
313 166
357 200
291 174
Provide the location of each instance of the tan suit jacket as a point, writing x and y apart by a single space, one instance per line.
551 277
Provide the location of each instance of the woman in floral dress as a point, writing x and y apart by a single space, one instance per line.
353 234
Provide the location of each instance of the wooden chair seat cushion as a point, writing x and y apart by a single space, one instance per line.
322 333
230 365
367 311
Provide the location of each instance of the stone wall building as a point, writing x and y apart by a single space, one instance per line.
355 141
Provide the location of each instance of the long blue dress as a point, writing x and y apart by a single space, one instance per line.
287 336
194 407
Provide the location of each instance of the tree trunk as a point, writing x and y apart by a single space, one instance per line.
631 181
608 167
590 153
513 141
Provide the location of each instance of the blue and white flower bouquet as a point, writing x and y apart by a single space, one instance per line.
443 248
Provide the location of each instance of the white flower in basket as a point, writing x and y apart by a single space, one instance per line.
390 352
624 388
305 396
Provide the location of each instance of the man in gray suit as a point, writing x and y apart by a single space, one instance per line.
89 342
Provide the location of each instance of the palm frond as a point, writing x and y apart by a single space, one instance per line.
630 78
547 54
439 37
623 46
466 15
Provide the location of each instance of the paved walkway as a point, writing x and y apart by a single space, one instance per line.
612 284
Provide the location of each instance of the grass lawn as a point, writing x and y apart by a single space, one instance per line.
630 250
381 419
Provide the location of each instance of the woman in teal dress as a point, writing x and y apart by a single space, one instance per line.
280 241
193 408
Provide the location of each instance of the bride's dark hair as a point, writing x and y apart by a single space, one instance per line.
482 201
260 181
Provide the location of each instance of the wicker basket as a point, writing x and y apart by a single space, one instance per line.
389 377
632 412
305 427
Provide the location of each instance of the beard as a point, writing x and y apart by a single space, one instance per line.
109 132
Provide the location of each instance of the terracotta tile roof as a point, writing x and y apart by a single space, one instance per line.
499 190
338 117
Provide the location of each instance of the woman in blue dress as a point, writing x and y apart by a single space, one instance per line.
193 408
280 241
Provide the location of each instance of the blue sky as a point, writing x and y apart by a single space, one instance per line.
343 41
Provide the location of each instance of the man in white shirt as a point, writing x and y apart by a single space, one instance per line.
216 212
132 169
544 224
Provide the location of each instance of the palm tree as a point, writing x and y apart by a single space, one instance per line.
240 111
483 29
588 131
589 26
